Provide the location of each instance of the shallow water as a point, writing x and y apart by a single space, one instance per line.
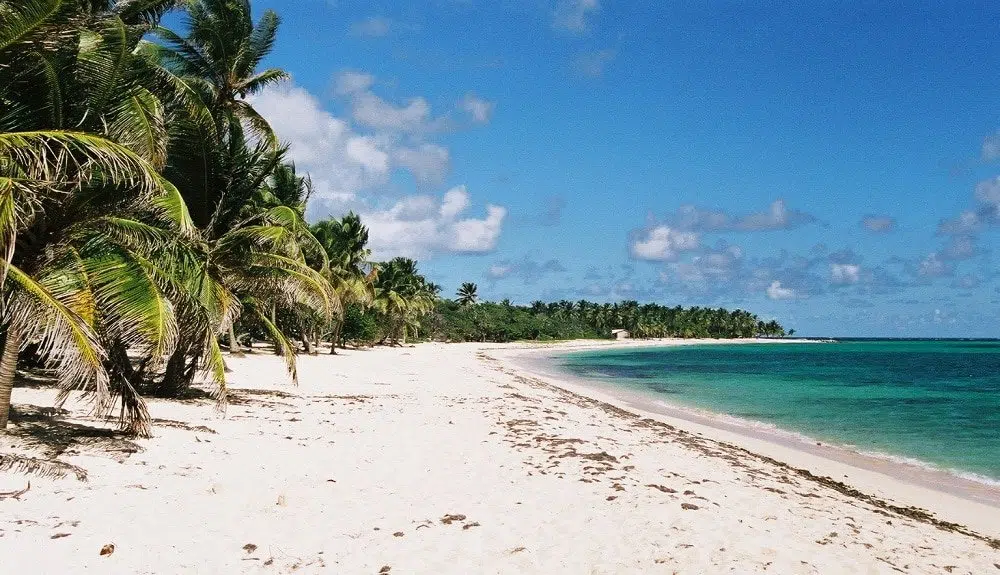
935 401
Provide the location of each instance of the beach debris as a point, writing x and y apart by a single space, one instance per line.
249 548
282 501
688 492
107 549
60 535
518 550
448 519
662 488
385 569
398 534
15 494
611 497
470 525
689 506
269 561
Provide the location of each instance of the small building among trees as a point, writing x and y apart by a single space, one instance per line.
619 333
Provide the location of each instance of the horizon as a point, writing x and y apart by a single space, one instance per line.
833 168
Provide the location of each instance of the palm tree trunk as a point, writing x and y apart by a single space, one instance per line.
335 337
234 346
8 367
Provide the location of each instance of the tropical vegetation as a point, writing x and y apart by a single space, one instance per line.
150 217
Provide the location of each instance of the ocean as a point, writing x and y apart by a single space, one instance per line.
931 402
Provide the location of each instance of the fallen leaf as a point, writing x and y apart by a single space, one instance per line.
108 549
249 547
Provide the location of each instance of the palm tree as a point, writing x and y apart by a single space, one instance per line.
345 242
467 293
216 63
80 209
403 296
251 258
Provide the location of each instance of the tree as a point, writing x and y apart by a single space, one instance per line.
81 209
467 293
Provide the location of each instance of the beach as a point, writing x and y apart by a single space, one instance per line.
462 458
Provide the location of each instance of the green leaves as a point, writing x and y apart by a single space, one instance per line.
19 19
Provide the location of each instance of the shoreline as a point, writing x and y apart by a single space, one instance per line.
438 458
886 475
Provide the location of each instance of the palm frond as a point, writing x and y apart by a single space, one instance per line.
285 346
53 157
22 17
63 337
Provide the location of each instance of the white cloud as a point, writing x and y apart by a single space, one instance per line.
419 226
413 117
845 274
777 217
933 266
342 162
991 147
351 169
429 163
479 110
878 224
352 82
572 15
527 270
663 243
988 192
776 292
374 27
592 64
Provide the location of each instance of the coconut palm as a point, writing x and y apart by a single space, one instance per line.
79 211
467 293
216 63
345 241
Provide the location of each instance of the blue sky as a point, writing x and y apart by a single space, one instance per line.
833 167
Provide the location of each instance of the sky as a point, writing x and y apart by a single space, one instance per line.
834 165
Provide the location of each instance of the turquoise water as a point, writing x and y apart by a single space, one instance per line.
934 401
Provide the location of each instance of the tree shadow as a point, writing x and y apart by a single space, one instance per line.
38 436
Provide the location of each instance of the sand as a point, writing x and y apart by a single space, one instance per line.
454 459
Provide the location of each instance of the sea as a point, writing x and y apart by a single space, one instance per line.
934 403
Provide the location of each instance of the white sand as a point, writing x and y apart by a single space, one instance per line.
355 470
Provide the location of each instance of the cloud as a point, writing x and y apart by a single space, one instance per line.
413 117
373 27
967 281
572 15
352 82
592 64
878 224
991 147
775 291
552 211
526 269
429 163
960 247
967 222
933 266
845 274
418 226
478 109
379 27
342 161
662 243
351 170
777 217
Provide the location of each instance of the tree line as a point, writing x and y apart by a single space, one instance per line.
150 218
